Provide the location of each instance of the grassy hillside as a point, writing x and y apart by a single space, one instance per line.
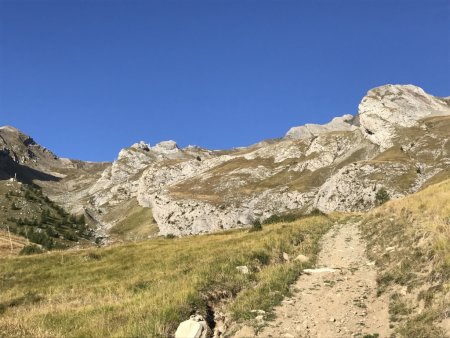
32 216
147 288
409 240
10 243
131 222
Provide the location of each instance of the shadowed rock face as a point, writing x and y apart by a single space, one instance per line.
11 169
399 140
21 156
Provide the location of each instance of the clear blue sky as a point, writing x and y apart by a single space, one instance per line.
87 78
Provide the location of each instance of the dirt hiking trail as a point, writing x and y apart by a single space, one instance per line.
337 298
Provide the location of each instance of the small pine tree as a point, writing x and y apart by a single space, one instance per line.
382 196
256 225
28 196
44 216
81 220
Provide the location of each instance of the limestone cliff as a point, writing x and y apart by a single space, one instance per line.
397 140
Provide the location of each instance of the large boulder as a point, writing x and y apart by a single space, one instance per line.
194 327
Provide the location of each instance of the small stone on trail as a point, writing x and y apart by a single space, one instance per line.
259 318
319 270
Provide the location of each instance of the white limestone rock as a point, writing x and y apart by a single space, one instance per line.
195 191
342 123
354 187
388 107
166 147
141 145
194 327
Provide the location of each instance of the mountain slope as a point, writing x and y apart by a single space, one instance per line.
409 241
26 212
399 130
398 142
97 292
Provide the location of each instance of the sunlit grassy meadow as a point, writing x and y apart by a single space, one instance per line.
145 289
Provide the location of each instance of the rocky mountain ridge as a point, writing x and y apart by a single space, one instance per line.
398 140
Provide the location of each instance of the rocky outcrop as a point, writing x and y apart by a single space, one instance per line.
343 123
24 150
385 109
399 140
354 187
330 167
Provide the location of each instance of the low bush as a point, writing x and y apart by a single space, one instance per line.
31 249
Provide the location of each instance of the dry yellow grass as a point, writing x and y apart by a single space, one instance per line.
133 222
145 289
409 239
10 244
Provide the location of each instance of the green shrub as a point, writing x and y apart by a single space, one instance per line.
382 196
291 217
93 256
256 225
31 249
261 256
316 212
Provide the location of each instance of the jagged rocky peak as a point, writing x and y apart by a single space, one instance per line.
14 137
342 123
166 147
21 147
10 129
388 107
141 146
401 103
380 112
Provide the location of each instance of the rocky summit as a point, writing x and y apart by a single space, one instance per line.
398 142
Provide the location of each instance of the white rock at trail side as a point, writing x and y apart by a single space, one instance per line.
195 327
385 108
189 329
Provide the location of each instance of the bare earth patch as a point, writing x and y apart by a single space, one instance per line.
338 298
